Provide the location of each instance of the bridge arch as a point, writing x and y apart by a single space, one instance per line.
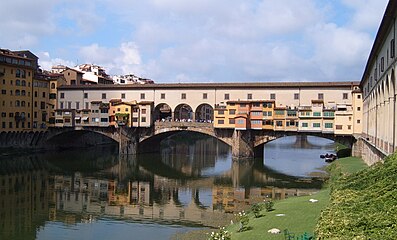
204 112
162 111
183 112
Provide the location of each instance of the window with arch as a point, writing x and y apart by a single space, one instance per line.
23 74
52 85
23 83
17 103
23 104
17 92
18 82
18 73
23 93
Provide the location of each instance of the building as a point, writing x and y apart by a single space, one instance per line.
311 107
93 74
378 84
131 79
17 69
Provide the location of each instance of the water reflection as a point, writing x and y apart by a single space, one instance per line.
191 183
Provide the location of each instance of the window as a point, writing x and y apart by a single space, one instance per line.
52 85
272 96
143 119
305 124
23 83
87 105
345 96
205 95
338 127
321 96
77 105
42 105
3 114
296 96
392 48
317 114
3 91
18 82
123 96
85 95
249 96
231 121
143 111
329 114
18 73
359 96
382 64
103 95
61 105
142 96
43 94
221 121
279 112
279 123
232 111
316 125
183 96
69 105
358 121
126 110
104 120
227 96
53 96
62 95
221 112
349 127
162 96
328 125
358 108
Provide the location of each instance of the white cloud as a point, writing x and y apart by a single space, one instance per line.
367 14
23 23
46 62
124 59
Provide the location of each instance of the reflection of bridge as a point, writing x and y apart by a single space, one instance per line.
245 144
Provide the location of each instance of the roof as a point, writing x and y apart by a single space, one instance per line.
387 22
237 86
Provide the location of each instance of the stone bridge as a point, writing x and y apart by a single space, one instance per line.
244 143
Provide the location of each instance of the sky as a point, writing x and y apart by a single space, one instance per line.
174 41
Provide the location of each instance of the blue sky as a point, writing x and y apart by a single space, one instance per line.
199 40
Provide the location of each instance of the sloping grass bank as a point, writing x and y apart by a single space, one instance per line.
301 215
362 205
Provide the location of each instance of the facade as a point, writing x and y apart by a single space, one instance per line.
379 91
130 79
16 74
312 107
93 74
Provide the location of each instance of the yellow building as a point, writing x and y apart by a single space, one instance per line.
16 73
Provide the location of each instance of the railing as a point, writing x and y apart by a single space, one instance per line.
182 124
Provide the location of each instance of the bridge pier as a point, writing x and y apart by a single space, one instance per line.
242 144
128 141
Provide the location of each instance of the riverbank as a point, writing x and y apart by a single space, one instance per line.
297 214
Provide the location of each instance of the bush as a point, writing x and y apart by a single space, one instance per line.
269 206
223 234
256 209
243 219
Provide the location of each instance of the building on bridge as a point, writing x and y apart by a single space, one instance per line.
305 107
379 92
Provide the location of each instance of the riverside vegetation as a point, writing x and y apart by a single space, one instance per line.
356 203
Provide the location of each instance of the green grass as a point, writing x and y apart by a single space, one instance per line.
300 214
362 204
349 165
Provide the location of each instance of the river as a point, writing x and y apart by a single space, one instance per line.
192 183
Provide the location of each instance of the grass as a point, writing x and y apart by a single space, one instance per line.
300 214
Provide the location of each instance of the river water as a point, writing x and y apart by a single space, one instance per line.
191 184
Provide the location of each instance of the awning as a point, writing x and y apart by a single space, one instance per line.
84 118
77 118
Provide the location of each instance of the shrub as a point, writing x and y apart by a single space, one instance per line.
269 206
256 209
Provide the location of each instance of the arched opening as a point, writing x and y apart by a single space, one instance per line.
204 113
162 112
183 112
52 85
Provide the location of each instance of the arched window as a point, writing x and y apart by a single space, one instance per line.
52 85
18 73
23 73
23 83
18 82
17 103
17 92
23 93
23 103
